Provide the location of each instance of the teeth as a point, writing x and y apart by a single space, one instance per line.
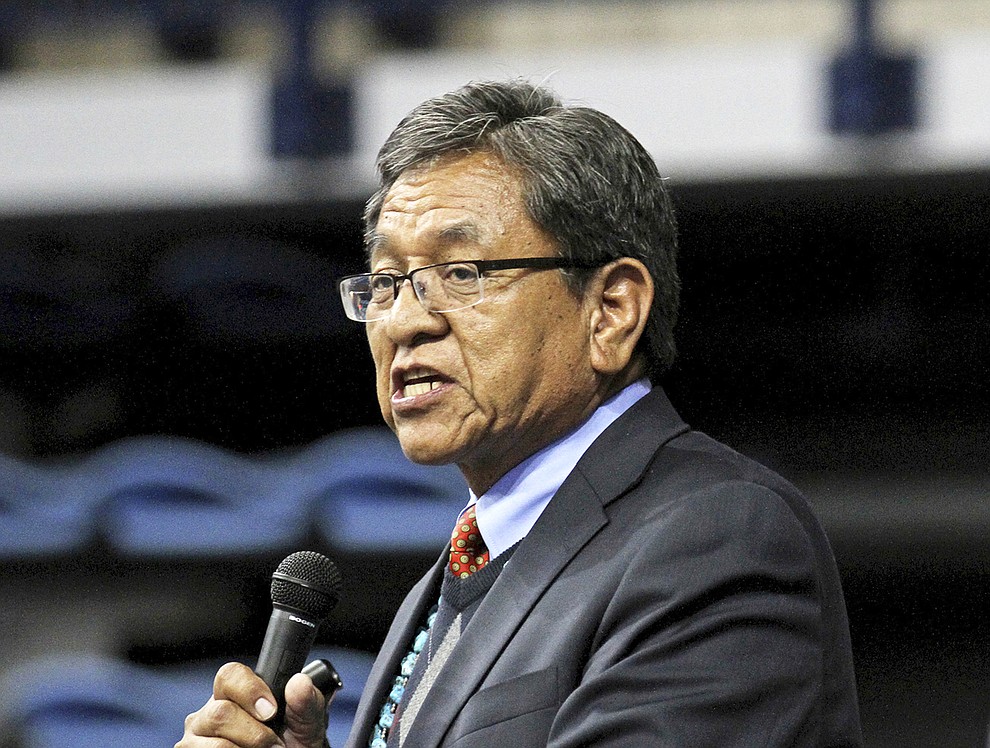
419 382
420 388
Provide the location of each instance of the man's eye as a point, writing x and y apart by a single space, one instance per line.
380 283
460 274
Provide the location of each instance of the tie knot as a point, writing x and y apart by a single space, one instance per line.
468 552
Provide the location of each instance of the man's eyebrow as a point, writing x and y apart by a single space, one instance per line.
377 243
374 243
466 231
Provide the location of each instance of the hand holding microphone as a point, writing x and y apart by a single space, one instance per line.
305 588
254 709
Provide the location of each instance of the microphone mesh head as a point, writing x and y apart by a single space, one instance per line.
307 581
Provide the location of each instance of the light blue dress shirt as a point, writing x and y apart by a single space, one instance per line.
510 508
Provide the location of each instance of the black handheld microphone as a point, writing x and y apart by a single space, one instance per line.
305 588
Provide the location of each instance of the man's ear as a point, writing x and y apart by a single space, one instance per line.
621 295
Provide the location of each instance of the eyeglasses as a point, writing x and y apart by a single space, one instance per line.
445 287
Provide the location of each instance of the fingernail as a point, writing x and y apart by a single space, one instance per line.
264 709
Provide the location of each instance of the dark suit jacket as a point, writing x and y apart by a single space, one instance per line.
673 593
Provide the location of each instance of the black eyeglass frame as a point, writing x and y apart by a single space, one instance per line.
482 266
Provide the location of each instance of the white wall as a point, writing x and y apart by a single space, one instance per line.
121 138
706 111
709 111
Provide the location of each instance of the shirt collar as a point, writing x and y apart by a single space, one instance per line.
510 508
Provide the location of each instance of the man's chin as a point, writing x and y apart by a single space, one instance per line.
423 450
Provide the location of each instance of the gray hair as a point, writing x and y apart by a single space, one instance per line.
586 181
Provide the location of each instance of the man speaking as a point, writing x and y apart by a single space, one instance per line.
617 579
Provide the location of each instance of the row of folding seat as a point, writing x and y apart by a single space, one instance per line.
94 701
229 290
169 497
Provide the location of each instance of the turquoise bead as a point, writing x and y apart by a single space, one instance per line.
386 717
421 638
397 690
379 737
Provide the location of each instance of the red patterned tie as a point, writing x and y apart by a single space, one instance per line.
468 552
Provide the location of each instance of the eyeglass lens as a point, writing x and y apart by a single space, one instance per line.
439 288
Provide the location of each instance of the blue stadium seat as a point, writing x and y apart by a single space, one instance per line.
89 701
238 291
45 509
93 701
59 307
171 496
367 495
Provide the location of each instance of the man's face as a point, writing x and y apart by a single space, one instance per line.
491 384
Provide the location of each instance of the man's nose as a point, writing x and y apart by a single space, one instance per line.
408 317
404 297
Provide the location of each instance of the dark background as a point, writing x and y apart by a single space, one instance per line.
834 305
835 328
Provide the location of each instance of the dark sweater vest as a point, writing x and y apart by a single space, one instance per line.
459 601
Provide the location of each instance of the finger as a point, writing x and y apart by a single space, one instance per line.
305 712
223 724
236 682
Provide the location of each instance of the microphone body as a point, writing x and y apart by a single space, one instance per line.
284 652
305 588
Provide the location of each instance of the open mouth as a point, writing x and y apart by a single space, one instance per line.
418 382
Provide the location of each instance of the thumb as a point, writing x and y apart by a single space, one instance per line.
305 714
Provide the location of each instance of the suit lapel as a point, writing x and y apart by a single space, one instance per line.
574 515
619 457
410 615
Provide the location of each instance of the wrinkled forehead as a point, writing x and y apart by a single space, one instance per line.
470 200
382 244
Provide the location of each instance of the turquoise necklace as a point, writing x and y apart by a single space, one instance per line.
379 735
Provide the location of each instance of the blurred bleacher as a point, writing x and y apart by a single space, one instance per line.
135 569
181 399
